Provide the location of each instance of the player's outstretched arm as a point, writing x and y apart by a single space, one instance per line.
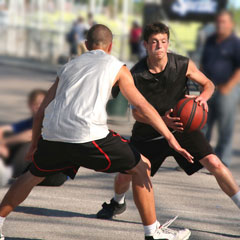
38 119
147 111
208 87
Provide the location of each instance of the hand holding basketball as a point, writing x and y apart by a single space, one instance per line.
192 111
173 122
200 100
173 143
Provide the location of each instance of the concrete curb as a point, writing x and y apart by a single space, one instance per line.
31 64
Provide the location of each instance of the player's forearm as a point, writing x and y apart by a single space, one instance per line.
208 90
150 116
19 138
139 117
37 126
4 129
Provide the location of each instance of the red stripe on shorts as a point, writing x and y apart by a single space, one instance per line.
106 156
52 170
118 135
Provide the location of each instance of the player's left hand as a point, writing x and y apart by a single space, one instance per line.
173 122
200 100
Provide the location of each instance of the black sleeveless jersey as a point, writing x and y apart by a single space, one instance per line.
163 90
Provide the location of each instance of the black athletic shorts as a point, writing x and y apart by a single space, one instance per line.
158 150
110 154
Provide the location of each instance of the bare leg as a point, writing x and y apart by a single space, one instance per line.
122 183
18 192
143 192
222 174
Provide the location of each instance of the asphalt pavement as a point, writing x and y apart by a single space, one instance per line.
68 212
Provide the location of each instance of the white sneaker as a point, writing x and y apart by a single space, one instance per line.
2 237
165 233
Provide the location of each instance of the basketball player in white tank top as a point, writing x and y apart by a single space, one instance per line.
75 133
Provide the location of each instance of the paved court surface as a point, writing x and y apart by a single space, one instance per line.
68 212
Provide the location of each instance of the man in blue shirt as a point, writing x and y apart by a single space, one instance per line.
15 141
17 136
221 63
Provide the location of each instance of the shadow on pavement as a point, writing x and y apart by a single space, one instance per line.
218 234
60 213
16 238
51 212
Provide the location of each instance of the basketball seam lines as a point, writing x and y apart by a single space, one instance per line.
182 106
203 119
191 116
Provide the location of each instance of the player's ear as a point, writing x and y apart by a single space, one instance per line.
109 48
145 44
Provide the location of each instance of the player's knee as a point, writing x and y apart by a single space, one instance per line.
142 168
123 178
214 163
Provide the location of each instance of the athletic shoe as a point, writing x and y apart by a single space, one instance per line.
111 209
165 233
2 237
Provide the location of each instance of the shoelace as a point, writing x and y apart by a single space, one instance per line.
164 228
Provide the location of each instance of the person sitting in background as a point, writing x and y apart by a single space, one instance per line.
15 139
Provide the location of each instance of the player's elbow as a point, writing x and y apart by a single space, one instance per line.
211 85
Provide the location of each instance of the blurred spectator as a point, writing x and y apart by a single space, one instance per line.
80 30
221 63
15 140
70 37
76 37
135 40
91 22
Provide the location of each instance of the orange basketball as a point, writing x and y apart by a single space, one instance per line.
192 115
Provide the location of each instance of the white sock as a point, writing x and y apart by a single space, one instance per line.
236 199
119 198
149 230
2 219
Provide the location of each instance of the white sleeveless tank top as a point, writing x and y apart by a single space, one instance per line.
78 114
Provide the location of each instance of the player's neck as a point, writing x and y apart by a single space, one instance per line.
157 65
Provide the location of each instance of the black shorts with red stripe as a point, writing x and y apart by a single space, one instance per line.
110 154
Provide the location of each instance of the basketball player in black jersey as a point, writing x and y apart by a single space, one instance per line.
162 78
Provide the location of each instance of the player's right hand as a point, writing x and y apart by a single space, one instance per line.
173 143
173 122
30 153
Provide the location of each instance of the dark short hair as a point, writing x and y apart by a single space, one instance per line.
155 28
99 35
34 94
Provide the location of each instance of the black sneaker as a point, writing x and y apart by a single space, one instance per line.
111 209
